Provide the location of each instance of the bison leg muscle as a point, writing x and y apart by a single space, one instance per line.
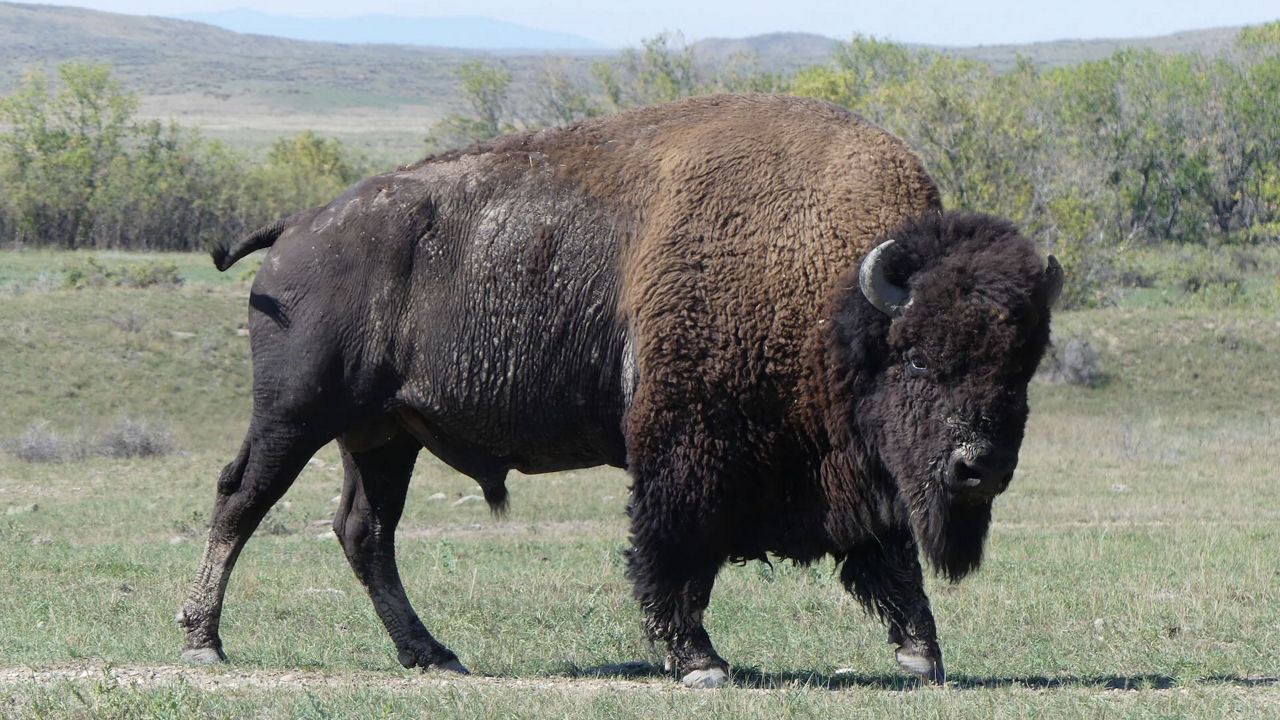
884 574
265 468
677 548
372 500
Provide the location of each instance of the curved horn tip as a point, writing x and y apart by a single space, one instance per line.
886 297
1053 277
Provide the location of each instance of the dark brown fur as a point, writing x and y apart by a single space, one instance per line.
673 290
979 314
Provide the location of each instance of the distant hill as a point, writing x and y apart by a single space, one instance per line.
250 89
475 33
1069 52
778 52
162 55
788 51
168 56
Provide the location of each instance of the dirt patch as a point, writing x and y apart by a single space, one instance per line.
1180 523
571 529
627 677
222 679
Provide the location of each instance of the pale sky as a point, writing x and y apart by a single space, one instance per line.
939 22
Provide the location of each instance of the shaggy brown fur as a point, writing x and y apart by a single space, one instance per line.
673 290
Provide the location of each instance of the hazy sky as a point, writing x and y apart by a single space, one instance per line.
947 22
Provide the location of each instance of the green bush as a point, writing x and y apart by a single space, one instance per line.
1093 159
80 171
93 273
1213 276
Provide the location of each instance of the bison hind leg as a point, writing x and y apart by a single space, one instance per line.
375 483
269 460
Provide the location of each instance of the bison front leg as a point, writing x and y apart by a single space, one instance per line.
884 574
373 495
673 565
674 618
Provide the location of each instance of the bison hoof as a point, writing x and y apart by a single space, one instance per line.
926 666
203 656
452 666
710 678
437 658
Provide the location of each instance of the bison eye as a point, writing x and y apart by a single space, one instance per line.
917 363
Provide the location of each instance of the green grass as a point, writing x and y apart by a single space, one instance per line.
1244 275
39 269
1131 569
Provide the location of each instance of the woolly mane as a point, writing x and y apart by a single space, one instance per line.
979 314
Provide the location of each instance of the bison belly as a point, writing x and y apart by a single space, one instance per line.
518 360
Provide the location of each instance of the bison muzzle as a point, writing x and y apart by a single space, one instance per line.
754 304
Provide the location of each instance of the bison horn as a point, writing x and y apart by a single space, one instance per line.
1052 280
888 298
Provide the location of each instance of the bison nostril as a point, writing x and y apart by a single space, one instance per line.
965 475
989 472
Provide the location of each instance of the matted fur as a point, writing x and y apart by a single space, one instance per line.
979 314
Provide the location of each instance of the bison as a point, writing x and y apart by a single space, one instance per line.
754 304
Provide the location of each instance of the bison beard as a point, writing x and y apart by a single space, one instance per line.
952 532
673 290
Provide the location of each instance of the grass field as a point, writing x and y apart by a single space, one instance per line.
1132 570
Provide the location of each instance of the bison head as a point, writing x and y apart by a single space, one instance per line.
939 345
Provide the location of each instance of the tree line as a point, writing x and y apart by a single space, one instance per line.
79 170
1090 159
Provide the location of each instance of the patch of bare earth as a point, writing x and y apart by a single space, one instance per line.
221 679
636 676
568 529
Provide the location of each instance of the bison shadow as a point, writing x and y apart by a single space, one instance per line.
756 679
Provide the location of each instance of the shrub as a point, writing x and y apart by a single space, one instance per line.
41 444
1210 276
1074 362
93 273
85 273
126 438
150 274
129 438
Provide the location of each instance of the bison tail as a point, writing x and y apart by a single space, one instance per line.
225 255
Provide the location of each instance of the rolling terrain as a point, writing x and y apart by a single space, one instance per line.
380 99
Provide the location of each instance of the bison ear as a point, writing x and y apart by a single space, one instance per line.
1053 277
886 297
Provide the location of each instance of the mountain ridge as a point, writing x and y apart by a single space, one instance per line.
458 31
